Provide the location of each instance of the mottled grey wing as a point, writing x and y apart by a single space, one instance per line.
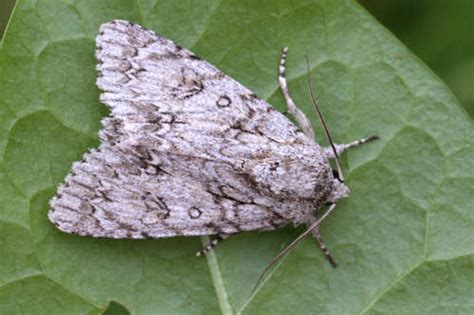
168 163
164 96
114 192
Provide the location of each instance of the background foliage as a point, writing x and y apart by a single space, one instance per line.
437 31
403 239
440 33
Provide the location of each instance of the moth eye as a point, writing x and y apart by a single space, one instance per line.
336 175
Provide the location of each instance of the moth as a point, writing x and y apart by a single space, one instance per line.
189 151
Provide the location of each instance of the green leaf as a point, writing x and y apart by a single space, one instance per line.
403 239
436 30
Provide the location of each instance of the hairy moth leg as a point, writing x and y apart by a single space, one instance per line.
322 246
299 116
312 224
212 244
340 148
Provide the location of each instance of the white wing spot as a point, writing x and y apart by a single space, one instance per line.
223 101
194 212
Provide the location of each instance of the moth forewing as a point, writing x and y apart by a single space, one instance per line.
187 150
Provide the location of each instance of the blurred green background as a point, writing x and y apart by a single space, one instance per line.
439 32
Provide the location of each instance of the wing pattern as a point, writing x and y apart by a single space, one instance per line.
175 149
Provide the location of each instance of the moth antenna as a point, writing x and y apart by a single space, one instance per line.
291 246
325 127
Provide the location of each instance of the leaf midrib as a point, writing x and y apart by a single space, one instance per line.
217 280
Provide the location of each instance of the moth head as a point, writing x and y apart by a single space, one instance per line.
339 189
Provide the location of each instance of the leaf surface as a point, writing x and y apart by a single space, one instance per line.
403 239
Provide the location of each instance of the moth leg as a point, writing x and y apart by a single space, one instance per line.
322 246
316 232
299 116
340 148
213 243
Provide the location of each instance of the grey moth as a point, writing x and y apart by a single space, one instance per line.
189 151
